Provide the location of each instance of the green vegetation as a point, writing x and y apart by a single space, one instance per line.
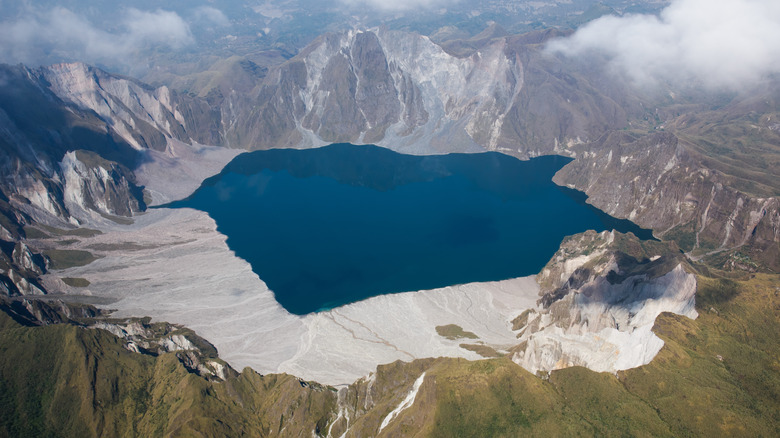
521 320
741 146
36 233
69 258
744 259
64 380
119 246
684 235
717 375
482 350
453 332
76 281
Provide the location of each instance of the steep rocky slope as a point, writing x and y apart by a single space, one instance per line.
73 142
660 182
142 116
600 297
39 135
405 92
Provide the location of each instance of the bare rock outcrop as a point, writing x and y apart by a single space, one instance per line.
600 296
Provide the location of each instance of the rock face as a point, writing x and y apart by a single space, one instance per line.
396 89
72 137
599 303
39 169
92 184
403 91
20 268
142 116
658 182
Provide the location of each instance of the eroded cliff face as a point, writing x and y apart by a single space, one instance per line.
42 174
84 186
600 297
94 185
403 91
144 117
72 138
20 268
659 182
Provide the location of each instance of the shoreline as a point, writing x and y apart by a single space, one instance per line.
182 271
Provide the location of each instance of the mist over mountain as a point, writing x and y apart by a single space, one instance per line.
719 45
143 36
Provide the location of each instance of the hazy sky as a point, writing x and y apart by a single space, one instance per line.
46 35
34 33
719 44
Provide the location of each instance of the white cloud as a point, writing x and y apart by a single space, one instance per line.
211 15
400 5
718 44
158 27
59 34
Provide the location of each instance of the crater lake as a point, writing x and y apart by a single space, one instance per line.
333 225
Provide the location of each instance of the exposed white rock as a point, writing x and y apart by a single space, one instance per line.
465 99
405 404
36 193
23 258
132 346
219 369
344 410
121 102
176 343
5 234
608 327
24 286
114 329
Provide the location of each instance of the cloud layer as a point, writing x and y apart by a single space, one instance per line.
60 34
717 44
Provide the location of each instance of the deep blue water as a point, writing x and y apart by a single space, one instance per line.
329 226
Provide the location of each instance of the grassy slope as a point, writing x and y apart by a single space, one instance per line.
716 376
719 374
63 380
